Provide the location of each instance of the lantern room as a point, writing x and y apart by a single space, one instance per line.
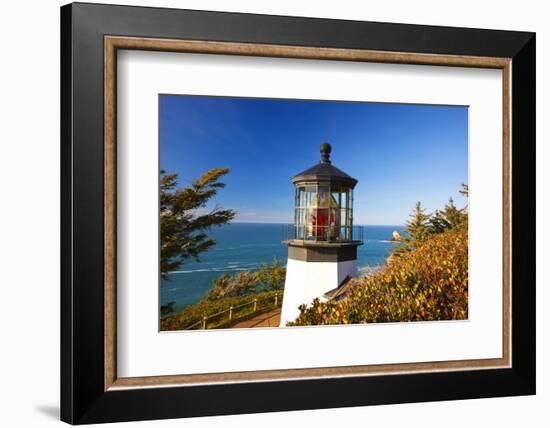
323 202
322 248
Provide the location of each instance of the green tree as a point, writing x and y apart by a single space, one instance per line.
167 309
417 225
417 229
464 191
438 223
420 226
267 278
182 227
454 216
272 277
241 284
450 217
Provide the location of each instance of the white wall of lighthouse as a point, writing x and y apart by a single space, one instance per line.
306 281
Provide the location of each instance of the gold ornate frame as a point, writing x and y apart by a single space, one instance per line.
114 43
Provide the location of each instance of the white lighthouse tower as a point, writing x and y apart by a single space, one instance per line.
322 251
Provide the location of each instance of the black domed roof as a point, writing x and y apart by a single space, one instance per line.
325 171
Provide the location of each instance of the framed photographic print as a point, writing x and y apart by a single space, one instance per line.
272 213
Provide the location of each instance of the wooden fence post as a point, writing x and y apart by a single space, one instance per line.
230 312
204 323
255 304
275 300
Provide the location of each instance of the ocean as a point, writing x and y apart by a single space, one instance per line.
245 246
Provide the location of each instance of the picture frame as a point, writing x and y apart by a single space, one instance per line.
91 391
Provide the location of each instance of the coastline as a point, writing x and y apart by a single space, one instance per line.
242 247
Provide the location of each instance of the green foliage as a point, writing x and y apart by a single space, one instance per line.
449 218
182 228
429 283
267 278
417 225
231 291
464 190
167 309
417 229
421 226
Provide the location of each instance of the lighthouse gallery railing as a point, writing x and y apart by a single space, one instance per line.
316 233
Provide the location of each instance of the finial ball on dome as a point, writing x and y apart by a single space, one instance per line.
325 152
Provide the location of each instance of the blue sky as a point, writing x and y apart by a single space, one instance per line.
400 153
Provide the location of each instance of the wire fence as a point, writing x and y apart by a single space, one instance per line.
238 313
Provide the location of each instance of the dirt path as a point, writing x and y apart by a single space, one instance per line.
269 319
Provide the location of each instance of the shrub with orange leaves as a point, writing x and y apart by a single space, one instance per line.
427 284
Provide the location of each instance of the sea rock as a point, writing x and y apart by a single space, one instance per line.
396 236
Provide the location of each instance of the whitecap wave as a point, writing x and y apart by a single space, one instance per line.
229 267
189 271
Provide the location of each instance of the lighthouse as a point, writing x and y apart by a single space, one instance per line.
322 249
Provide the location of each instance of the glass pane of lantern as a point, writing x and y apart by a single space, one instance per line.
308 224
311 200
335 198
301 197
343 217
344 199
333 233
324 197
300 228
